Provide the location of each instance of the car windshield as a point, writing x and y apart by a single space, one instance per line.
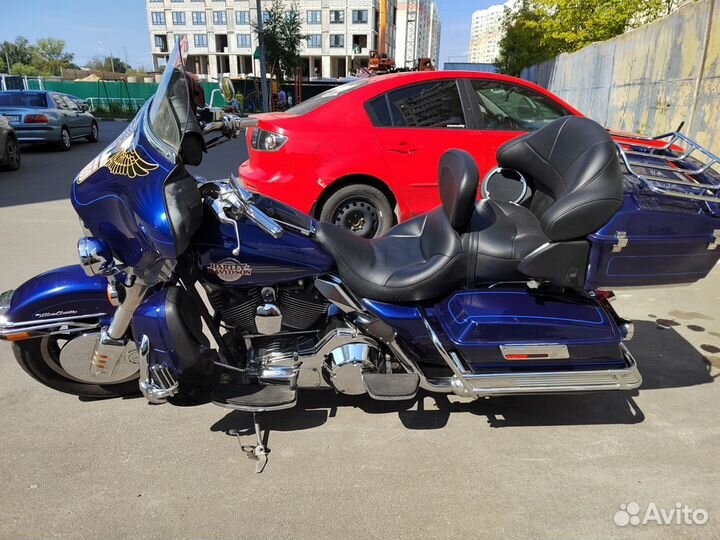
326 97
170 108
23 99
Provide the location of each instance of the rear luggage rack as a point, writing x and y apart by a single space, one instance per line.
666 174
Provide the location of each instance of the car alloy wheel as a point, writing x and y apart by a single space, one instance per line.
65 141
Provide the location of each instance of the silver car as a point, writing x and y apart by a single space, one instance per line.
49 117
9 147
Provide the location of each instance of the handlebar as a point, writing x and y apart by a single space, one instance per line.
233 196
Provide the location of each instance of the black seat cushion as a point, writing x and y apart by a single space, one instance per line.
458 180
500 235
575 172
419 259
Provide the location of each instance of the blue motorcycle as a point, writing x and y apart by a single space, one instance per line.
189 288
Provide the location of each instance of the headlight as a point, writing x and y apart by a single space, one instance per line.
267 141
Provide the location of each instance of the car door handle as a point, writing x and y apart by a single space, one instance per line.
402 148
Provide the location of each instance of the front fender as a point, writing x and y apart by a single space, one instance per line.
64 293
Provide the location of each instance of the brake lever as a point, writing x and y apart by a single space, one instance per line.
224 218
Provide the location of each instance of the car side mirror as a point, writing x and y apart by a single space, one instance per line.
84 107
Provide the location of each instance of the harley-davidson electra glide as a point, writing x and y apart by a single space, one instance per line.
189 287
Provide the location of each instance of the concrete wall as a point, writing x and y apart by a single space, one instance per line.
650 79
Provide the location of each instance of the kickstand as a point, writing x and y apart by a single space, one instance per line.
259 451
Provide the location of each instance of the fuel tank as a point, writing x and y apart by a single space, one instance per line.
262 260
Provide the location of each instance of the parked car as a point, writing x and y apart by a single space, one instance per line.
364 155
9 146
48 117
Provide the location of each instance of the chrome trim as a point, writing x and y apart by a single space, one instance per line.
711 246
494 384
484 187
123 314
622 242
268 319
5 301
49 326
95 257
156 383
309 363
547 351
333 289
459 383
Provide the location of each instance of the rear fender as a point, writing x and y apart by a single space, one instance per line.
58 298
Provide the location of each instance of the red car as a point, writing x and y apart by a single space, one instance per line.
364 155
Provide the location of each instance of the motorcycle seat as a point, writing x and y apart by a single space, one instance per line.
419 259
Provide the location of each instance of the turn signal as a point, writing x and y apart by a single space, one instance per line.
36 119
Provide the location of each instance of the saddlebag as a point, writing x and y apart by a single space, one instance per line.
521 329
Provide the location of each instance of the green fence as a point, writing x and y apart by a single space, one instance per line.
118 97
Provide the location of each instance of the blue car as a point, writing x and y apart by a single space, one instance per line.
48 117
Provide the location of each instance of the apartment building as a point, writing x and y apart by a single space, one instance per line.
340 34
418 32
486 32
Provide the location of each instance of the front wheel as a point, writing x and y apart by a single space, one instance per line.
40 358
362 209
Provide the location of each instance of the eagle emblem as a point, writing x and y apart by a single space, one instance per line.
129 163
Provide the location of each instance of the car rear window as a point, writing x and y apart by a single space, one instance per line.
433 104
23 99
326 97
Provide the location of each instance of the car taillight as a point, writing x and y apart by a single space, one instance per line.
266 140
36 119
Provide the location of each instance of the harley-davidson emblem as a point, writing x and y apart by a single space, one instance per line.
129 163
229 269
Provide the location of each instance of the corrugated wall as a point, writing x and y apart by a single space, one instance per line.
649 79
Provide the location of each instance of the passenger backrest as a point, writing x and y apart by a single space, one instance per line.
575 171
458 180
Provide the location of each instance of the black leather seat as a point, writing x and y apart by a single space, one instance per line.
573 168
419 259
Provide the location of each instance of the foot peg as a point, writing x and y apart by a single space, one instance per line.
157 383
391 386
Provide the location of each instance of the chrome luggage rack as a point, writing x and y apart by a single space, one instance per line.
666 174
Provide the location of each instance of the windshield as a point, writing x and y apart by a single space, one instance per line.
170 109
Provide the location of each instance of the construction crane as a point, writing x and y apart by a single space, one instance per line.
379 61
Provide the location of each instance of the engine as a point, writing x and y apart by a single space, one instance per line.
269 310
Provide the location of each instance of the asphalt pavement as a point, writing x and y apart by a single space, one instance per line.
542 467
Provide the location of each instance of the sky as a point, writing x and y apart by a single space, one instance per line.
97 27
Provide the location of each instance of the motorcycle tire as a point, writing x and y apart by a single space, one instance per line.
39 358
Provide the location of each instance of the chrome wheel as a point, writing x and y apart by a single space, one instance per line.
70 356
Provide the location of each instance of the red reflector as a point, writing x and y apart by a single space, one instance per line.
36 119
517 356
533 356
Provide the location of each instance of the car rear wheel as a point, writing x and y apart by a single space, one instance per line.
65 142
94 133
362 209
12 154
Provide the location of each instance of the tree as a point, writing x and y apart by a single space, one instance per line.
24 70
50 56
282 37
108 63
16 52
537 30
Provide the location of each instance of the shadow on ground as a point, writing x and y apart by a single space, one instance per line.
665 359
